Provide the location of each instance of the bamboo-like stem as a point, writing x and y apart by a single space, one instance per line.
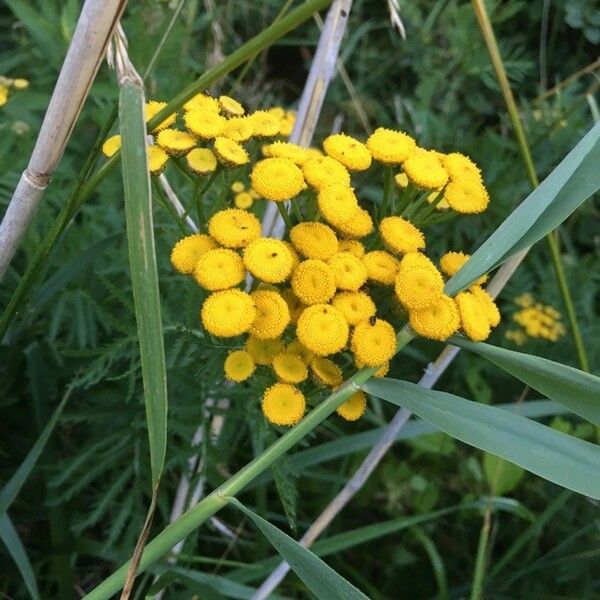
94 28
481 558
487 32
321 72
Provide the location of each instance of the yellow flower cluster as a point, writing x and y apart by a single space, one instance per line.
8 85
535 320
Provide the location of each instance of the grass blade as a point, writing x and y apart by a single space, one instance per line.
144 273
578 391
553 455
321 579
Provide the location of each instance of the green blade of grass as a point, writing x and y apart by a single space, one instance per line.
560 458
578 391
144 272
320 578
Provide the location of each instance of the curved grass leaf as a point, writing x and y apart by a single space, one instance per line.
553 455
320 579
570 184
144 275
578 391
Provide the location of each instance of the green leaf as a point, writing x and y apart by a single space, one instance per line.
144 275
502 476
560 458
12 541
578 391
320 579
570 184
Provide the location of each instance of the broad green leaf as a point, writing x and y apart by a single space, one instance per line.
560 458
578 391
144 275
570 184
320 579
501 475
12 541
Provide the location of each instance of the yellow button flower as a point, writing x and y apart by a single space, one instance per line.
272 315
354 408
297 154
314 240
322 329
263 351
201 161
352 246
205 124
188 250
20 84
466 196
359 226
425 170
326 372
389 146
452 262
313 282
350 272
373 342
322 171
229 152
264 124
295 256
228 313
472 317
295 306
231 107
353 154
202 101
401 180
277 179
239 366
418 282
296 347
382 370
488 305
400 235
382 267
237 187
269 260
219 269
460 167
175 142
438 321
152 108
355 306
243 200
289 368
157 159
283 404
338 204
234 228
111 145
238 129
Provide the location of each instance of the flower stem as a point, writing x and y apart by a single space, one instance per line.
284 214
388 189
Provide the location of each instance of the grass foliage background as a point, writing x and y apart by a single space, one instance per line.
82 509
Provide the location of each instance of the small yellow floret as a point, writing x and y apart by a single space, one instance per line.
401 180
326 372
382 267
418 282
350 272
296 347
338 204
354 408
188 250
237 187
263 351
472 317
272 315
314 240
228 313
382 370
321 171
277 179
111 145
313 282
264 124
231 107
373 342
352 246
202 101
201 161
487 303
153 108
425 170
467 196
219 269
295 306
238 129
297 154
289 368
452 262
283 404
243 200
20 84
400 235
322 329
460 167
234 228
205 124
239 366
229 152
359 226
355 306
175 142
157 159
269 260
353 154
438 321
389 146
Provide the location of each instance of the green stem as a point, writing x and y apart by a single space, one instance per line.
423 215
169 207
284 214
481 560
513 112
199 198
388 188
194 517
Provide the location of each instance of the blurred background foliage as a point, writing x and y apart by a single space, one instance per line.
82 510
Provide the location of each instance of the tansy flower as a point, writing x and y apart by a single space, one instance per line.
313 282
238 129
20 84
201 161
188 250
452 262
293 152
231 107
425 170
326 372
272 315
389 146
441 203
466 196
295 306
263 351
283 404
355 306
219 269
243 200
111 145
314 240
337 203
487 303
228 313
264 124
296 347
277 111
157 159
381 266
353 154
352 246
229 152
373 342
175 142
269 260
350 273
359 226
286 125
239 366
152 108
418 282
289 368
437 321
234 228
354 408
205 124
460 167
277 179
322 329
237 187
382 370
295 256
321 171
401 180
400 235
472 317
202 101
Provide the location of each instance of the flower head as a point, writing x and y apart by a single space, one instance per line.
355 306
322 329
269 260
277 179
359 226
263 351
373 342
205 124
157 159
437 321
337 204
231 107
264 124
230 152
487 303
234 228
472 317
272 315
313 282
425 170
389 146
202 101
238 129
283 404
467 196
326 372
111 145
460 167
188 250
175 142
152 108
452 262
219 269
354 155
289 368
201 161
350 272
353 408
297 154
381 266
243 200
228 313
400 235
296 347
314 240
418 282
239 366
322 171
352 246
